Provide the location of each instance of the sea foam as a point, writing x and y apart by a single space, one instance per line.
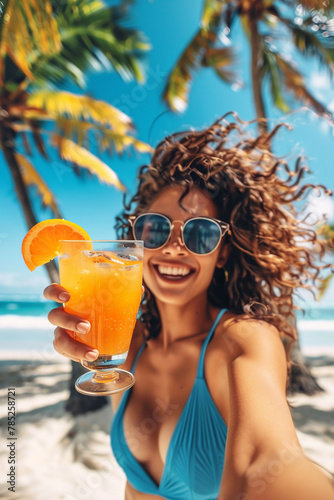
15 322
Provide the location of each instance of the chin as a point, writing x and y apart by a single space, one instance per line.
177 297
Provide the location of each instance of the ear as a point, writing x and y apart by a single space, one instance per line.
224 255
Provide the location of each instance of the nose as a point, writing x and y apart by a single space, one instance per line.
175 245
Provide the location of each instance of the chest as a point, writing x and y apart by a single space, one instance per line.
158 401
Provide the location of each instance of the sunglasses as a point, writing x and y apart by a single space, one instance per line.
200 235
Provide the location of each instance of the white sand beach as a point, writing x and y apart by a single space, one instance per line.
61 457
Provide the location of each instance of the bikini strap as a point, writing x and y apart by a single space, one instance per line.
203 349
140 350
126 394
200 368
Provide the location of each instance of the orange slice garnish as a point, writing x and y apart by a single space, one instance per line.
42 243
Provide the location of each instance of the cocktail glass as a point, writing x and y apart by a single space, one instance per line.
104 279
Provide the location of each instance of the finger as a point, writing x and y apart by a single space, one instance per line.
56 293
59 317
142 289
70 348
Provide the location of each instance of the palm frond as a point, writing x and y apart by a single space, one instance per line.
211 11
271 69
326 231
271 17
28 25
221 59
26 143
317 5
177 89
32 178
52 70
329 7
38 140
122 141
202 51
218 57
295 83
35 129
72 152
309 44
94 36
3 18
245 25
79 107
324 286
104 138
230 14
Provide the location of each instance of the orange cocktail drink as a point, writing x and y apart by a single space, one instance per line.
104 279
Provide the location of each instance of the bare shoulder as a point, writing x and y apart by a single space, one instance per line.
242 350
243 342
240 334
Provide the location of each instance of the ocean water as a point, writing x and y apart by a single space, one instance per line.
25 308
24 325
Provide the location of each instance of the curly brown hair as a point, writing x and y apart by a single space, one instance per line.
273 251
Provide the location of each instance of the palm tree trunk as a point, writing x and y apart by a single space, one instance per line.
301 378
7 142
77 403
256 58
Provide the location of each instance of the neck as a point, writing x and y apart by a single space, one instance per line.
184 321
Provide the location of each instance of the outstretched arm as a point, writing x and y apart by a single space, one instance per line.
264 459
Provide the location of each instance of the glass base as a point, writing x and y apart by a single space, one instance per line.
105 383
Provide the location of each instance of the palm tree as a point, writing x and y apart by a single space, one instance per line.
266 24
46 43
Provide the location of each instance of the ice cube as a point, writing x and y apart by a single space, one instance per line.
103 257
133 266
90 254
113 258
126 256
130 258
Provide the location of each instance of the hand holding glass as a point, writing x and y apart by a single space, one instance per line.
104 279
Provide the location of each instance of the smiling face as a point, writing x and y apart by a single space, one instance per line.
172 273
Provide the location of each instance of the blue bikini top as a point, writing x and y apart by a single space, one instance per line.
195 456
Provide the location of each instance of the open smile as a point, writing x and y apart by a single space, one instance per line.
170 273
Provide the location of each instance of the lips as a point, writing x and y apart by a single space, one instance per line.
168 272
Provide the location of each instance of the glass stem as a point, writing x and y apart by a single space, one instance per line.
103 376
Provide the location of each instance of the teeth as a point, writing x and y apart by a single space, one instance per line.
174 271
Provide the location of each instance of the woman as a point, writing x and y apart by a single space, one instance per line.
224 252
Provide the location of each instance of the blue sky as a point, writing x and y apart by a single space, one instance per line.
168 26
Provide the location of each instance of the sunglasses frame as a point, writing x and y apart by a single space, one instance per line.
223 226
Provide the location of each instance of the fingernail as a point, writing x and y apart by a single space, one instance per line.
91 355
83 327
64 296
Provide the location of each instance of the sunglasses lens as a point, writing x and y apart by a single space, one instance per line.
153 229
201 236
